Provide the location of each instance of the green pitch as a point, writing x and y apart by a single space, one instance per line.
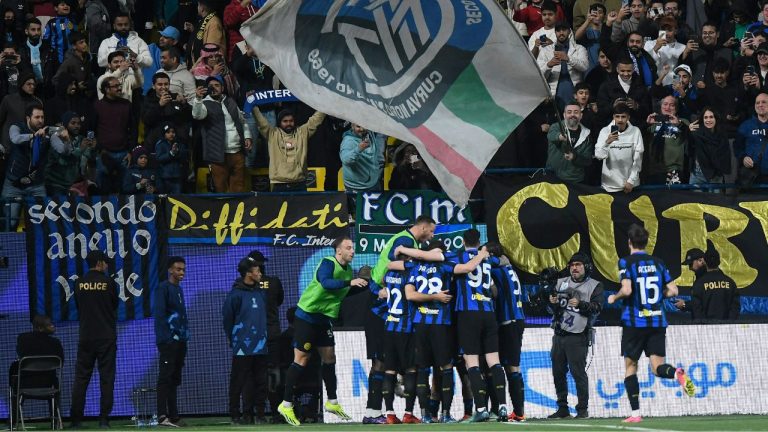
668 424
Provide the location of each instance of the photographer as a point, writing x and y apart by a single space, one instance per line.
11 70
574 303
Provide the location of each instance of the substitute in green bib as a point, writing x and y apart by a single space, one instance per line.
408 242
318 306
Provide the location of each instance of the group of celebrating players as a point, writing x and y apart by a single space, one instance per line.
434 310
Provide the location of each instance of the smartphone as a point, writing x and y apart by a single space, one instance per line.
662 34
748 35
661 118
614 129
90 135
543 39
751 69
624 3
693 38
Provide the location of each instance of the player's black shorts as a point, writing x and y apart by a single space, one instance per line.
374 334
398 353
511 342
433 345
635 340
478 332
307 335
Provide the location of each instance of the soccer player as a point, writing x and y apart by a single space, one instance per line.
317 307
477 328
429 285
511 320
374 334
645 280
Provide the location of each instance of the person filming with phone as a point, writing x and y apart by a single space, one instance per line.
620 147
570 150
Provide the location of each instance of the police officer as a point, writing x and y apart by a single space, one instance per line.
576 302
96 299
715 295
694 259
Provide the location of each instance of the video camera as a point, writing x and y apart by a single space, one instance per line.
547 287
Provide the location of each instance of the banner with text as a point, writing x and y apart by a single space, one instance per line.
61 232
541 224
274 219
264 97
382 214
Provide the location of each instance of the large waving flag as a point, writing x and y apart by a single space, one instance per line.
453 77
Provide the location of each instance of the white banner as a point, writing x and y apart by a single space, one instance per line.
724 361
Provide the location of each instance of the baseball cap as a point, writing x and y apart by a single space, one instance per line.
95 256
692 255
170 32
215 78
762 48
685 68
257 256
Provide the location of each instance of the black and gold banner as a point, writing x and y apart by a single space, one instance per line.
275 219
541 224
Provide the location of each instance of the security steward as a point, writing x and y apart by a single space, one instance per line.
96 299
715 295
576 302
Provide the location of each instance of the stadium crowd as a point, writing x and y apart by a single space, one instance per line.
103 96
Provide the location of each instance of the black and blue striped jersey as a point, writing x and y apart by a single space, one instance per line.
649 277
431 278
398 316
509 302
473 290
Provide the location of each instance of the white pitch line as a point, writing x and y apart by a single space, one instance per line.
595 426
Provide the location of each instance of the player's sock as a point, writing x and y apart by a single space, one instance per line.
422 387
666 371
434 398
328 370
388 391
491 394
633 391
375 381
516 392
409 390
468 406
446 392
291 377
478 387
499 384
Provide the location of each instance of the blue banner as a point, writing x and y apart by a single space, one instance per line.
265 97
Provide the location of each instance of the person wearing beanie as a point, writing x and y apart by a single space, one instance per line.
12 108
139 178
172 156
71 154
225 135
287 146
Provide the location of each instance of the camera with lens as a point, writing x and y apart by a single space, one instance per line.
547 287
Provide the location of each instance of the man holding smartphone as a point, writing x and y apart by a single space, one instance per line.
620 147
570 150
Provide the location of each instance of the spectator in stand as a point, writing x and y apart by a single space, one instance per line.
563 64
36 53
11 69
599 74
726 97
588 107
650 27
24 176
161 106
411 172
708 147
58 30
235 14
140 177
665 152
624 87
20 11
628 20
754 78
124 39
570 153
682 89
532 15
752 140
69 97
732 31
595 32
703 59
665 50
77 64
672 9
172 157
582 8
545 34
211 63
225 137
287 148
126 71
362 160
70 156
643 64
114 129
8 30
182 80
620 147
98 24
209 31
167 39
12 108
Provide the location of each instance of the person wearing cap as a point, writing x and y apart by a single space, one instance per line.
563 64
167 38
755 82
172 157
12 108
97 23
171 336
96 299
162 106
686 95
288 148
714 295
574 305
210 30
665 151
124 39
694 259
224 134
70 155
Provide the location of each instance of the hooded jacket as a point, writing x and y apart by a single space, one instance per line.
182 81
245 319
134 42
362 168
